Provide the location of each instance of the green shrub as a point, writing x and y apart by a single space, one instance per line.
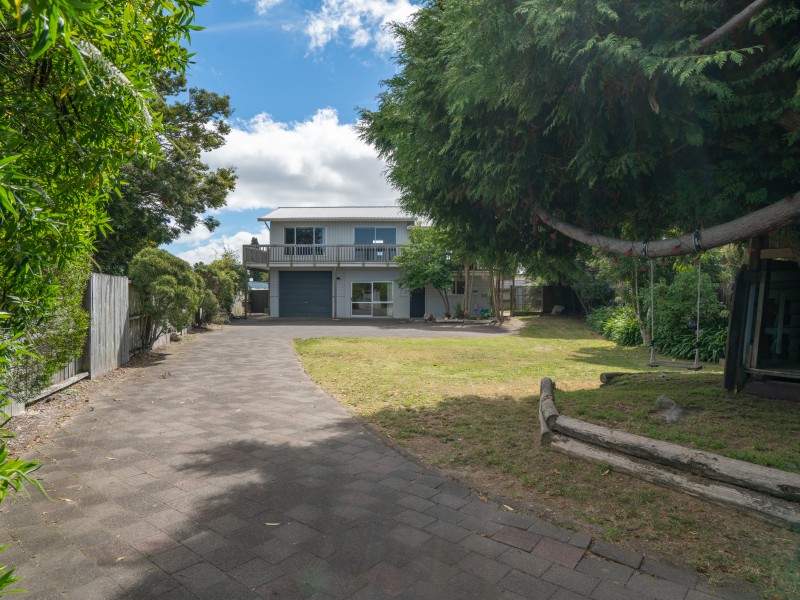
616 323
459 312
623 328
170 291
676 315
52 343
597 319
681 345
209 308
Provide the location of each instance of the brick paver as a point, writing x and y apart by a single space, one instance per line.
223 472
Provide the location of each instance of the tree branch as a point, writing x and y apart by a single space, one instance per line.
781 213
734 22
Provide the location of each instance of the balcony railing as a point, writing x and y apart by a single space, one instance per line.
266 255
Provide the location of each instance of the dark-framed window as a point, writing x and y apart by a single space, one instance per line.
375 235
304 235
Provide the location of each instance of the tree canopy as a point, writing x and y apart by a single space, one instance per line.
159 202
170 290
427 260
619 117
76 85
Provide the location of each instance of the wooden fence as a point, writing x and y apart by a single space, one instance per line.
116 333
109 342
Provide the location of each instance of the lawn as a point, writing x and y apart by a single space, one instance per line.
469 406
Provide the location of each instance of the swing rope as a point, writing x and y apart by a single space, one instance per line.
653 363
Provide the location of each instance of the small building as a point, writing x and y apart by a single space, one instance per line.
764 325
339 262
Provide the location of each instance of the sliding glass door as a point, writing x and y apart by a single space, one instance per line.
372 299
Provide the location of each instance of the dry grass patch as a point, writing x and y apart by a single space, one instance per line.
469 406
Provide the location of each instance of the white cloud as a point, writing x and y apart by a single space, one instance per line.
360 22
317 162
205 249
263 6
195 237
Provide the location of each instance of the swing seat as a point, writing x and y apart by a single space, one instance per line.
675 365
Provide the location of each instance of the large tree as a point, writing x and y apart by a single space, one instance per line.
76 86
621 118
156 203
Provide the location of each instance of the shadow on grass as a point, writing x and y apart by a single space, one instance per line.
557 328
612 357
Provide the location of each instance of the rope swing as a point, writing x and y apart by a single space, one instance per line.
696 366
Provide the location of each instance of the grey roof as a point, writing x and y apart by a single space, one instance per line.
338 213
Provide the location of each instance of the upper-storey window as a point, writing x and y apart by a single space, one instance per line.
304 235
375 235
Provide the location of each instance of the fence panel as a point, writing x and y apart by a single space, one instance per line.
109 334
69 371
528 298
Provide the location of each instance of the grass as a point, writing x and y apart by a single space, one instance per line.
469 406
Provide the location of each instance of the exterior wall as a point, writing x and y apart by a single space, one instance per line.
343 279
481 287
338 232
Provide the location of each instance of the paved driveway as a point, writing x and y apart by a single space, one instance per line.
223 472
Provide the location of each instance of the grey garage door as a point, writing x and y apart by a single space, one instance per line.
305 294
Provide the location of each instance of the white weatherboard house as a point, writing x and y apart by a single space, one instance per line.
340 262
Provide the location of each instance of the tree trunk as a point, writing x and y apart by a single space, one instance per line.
466 302
781 213
446 301
497 297
733 23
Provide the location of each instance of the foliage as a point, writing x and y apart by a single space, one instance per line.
208 308
675 295
75 110
616 323
159 202
600 111
676 315
426 260
170 290
593 288
459 311
231 263
219 284
225 277
55 341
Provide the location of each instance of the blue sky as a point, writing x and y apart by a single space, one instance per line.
295 71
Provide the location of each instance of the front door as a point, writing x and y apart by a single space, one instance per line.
417 303
371 299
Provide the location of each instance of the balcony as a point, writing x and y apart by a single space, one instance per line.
265 256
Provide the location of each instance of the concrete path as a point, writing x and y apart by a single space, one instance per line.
223 472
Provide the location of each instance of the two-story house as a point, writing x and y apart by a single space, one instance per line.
340 262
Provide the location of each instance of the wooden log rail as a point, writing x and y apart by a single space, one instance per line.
596 442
